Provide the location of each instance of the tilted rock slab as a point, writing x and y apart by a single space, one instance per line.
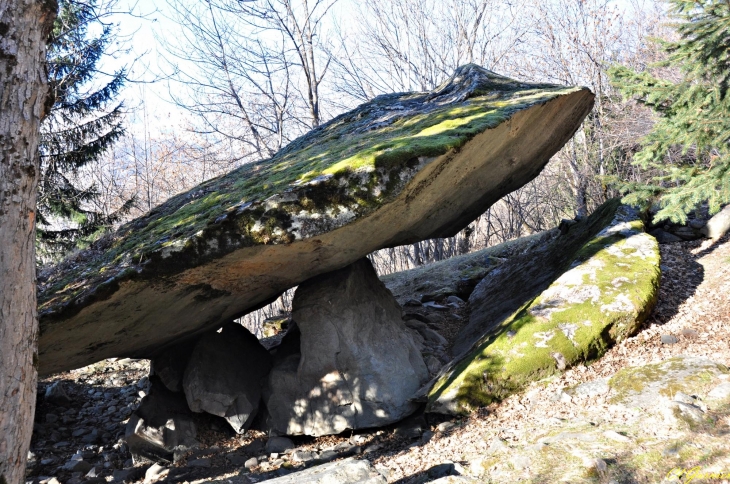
398 169
608 286
347 471
359 364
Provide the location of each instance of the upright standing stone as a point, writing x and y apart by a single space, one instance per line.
224 375
358 366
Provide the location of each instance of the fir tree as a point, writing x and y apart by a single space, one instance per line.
689 147
83 123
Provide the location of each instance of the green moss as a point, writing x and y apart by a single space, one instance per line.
524 346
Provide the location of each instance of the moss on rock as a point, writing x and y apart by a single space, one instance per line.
644 386
608 289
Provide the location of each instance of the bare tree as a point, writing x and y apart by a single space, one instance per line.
413 45
24 29
251 71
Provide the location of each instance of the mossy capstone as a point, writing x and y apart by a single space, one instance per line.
398 169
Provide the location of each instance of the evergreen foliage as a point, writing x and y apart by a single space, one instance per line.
83 122
689 147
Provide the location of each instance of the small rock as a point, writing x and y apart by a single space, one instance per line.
615 436
236 458
155 472
344 447
412 303
720 392
80 432
251 463
372 448
433 305
328 455
445 426
442 470
598 466
122 475
48 461
91 437
455 300
685 410
301 456
684 398
77 466
94 472
61 445
51 418
690 333
56 394
204 463
664 237
279 445
668 339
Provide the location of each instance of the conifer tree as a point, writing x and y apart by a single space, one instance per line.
83 123
688 150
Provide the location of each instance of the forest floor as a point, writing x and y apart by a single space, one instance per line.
547 433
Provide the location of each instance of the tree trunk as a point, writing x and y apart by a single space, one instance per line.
24 28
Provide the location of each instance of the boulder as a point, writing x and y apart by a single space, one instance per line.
358 366
398 169
224 375
162 422
56 394
169 366
553 308
718 225
347 471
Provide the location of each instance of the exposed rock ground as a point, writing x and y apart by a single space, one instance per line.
570 427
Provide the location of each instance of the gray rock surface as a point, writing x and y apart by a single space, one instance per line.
347 471
162 422
56 394
358 366
398 169
664 237
169 366
224 375
508 287
279 445
718 225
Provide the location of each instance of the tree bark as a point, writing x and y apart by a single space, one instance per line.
24 28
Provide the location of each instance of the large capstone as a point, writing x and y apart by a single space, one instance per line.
225 373
396 170
358 364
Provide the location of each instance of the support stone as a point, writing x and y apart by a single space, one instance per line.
358 364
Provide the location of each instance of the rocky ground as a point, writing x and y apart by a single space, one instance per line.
580 426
